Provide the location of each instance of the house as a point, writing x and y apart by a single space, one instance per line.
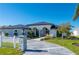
39 28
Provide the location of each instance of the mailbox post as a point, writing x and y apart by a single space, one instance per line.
23 42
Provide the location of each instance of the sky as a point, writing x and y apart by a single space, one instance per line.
27 13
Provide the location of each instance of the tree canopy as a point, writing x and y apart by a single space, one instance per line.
64 28
76 13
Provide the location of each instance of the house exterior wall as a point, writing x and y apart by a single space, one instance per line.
52 32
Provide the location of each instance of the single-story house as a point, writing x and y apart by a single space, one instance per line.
40 28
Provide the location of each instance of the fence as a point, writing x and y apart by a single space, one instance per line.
13 42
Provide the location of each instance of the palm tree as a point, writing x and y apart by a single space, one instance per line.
64 29
76 13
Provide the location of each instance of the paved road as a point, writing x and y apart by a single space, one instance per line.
45 48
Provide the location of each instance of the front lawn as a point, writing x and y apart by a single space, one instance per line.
10 51
7 49
66 43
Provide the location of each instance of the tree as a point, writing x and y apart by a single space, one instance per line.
64 29
76 13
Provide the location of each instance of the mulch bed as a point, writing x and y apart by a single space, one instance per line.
76 44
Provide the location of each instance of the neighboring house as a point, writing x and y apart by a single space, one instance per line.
42 28
76 32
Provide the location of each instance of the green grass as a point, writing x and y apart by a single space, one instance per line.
77 36
7 49
9 45
66 43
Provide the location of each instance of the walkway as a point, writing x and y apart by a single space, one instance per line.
44 48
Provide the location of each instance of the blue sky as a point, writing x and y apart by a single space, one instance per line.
12 14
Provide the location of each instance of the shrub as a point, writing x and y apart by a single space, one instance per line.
6 34
30 34
74 43
15 34
73 37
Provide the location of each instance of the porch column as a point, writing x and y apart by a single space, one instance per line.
39 33
34 32
50 32
53 32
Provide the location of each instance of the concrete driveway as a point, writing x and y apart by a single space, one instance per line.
35 47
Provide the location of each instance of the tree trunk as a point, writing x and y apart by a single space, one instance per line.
62 35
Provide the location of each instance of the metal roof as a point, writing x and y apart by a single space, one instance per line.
39 23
